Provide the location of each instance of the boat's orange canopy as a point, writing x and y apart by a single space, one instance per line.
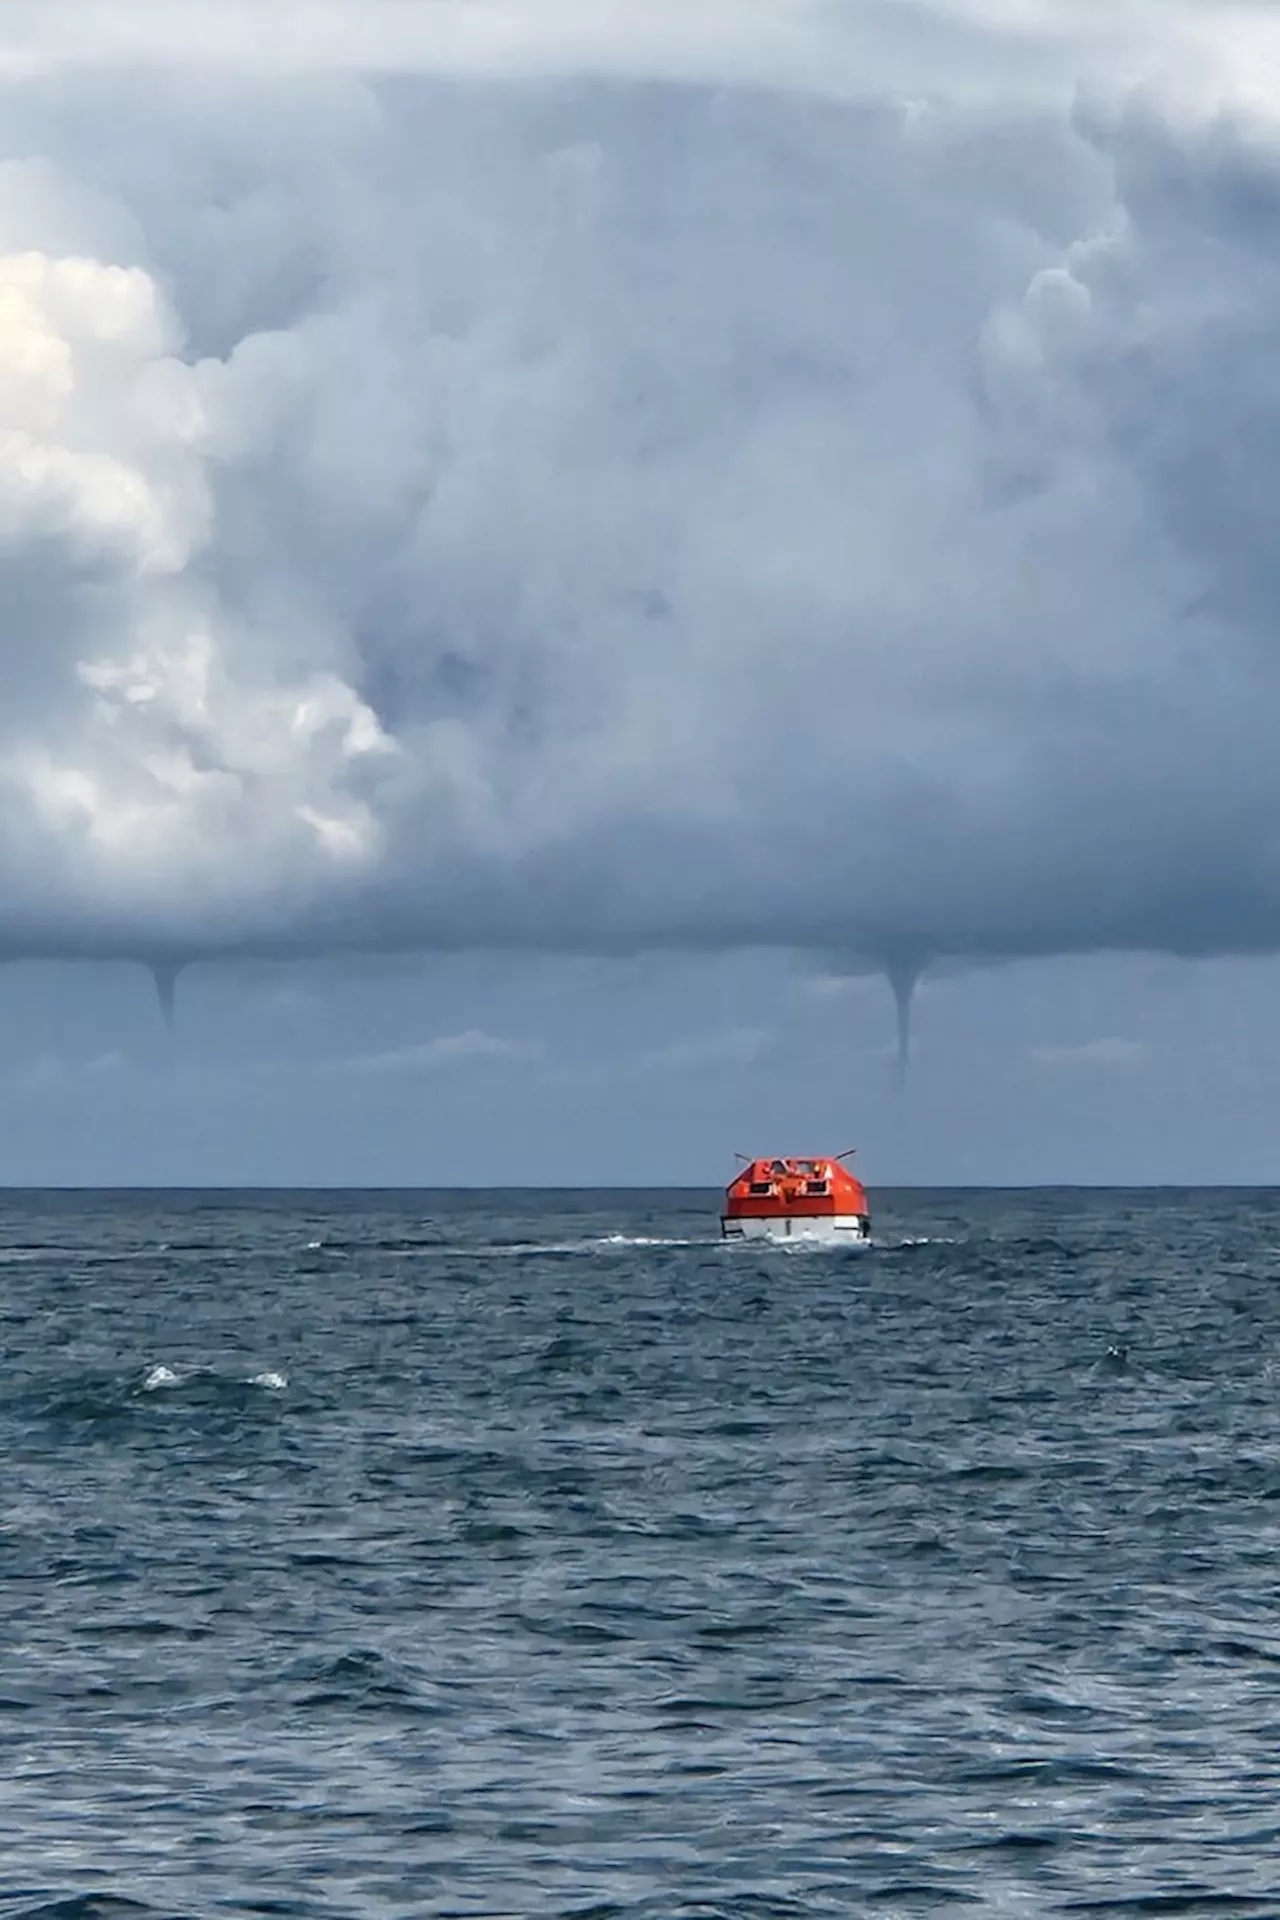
815 1185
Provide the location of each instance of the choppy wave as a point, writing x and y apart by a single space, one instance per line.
539 1557
81 1906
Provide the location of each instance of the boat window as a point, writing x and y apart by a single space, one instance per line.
760 1186
815 1186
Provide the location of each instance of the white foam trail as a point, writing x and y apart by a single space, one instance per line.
646 1240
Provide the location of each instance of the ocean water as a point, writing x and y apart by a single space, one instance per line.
511 1554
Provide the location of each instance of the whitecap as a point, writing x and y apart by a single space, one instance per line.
273 1382
159 1377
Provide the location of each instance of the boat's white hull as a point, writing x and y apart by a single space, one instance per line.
832 1228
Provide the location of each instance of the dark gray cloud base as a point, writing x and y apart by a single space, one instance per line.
597 514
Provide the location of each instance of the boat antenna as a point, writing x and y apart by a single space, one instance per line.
847 1154
744 1157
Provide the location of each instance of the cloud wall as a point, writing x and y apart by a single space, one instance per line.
602 503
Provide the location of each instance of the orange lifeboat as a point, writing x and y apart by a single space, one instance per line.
797 1200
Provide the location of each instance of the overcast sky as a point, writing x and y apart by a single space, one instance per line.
547 547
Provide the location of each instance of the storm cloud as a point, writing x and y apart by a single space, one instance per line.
756 476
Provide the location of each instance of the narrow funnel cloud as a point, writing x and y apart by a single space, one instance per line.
164 975
904 977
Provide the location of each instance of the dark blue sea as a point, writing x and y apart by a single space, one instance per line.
368 1555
